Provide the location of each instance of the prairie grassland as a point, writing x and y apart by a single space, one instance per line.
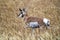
12 27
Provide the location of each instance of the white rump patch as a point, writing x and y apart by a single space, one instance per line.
46 21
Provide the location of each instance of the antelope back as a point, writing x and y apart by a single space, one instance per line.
34 19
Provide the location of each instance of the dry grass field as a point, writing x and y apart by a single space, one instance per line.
12 27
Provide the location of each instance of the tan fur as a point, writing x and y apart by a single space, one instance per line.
33 19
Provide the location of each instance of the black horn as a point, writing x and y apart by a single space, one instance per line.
20 9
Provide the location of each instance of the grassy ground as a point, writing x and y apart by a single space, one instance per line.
12 27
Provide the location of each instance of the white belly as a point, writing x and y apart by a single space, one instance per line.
33 24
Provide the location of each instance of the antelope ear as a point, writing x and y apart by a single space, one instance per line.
25 9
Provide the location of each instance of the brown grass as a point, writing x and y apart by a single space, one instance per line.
12 27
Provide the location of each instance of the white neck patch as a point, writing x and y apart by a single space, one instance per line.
20 15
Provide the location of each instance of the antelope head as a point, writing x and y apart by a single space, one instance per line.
22 12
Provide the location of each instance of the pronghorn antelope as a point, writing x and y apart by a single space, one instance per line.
33 22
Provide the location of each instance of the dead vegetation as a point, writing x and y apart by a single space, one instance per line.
12 27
